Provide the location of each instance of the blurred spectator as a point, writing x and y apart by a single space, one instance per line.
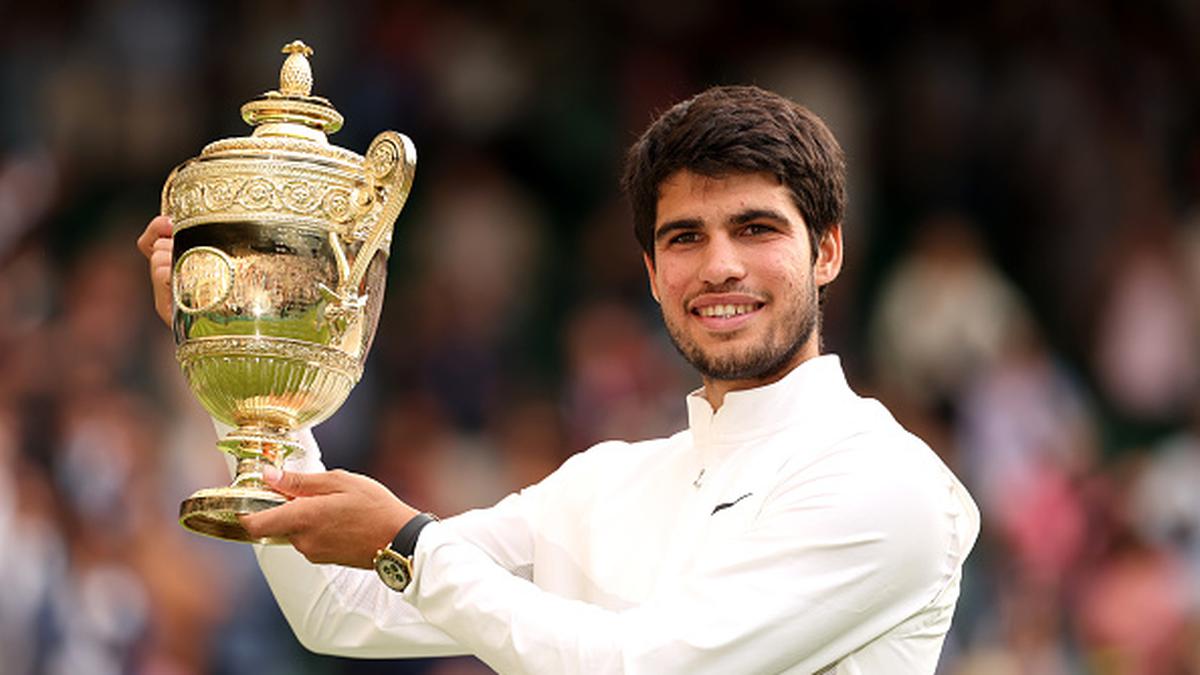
532 439
422 455
31 554
943 315
477 260
622 382
1128 572
1027 435
1145 350
28 183
1028 640
100 610
1165 502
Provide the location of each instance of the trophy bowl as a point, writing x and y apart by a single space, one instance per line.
280 256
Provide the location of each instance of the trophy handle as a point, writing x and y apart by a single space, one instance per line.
391 161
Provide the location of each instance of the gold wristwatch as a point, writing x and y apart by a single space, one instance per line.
394 563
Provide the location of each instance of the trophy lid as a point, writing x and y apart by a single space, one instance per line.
292 110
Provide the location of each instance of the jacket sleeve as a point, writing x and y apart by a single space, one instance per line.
349 612
828 567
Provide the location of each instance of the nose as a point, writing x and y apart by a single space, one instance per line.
722 261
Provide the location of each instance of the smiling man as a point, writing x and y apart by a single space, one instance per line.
792 527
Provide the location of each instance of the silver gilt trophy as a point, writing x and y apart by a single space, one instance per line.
281 244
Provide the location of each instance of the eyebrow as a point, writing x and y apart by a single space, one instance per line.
739 218
743 217
685 224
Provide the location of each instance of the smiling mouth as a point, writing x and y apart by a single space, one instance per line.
726 311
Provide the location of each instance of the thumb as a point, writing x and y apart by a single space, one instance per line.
294 484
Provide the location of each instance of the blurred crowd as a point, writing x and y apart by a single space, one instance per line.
1022 289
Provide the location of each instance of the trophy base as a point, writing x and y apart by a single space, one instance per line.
214 512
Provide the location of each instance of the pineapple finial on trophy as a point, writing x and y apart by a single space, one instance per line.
293 110
295 78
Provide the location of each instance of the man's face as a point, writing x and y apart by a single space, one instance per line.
735 276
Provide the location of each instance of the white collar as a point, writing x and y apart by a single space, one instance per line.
809 394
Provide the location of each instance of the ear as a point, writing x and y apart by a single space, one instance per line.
829 256
650 273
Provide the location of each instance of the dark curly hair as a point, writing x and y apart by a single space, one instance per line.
739 129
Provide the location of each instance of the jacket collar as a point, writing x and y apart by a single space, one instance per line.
812 394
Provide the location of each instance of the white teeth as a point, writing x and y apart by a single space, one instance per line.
724 311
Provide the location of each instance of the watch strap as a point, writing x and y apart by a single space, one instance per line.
405 542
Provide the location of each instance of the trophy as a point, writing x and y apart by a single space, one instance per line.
281 242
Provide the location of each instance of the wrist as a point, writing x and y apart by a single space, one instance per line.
402 515
405 541
394 564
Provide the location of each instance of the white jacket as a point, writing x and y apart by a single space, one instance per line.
799 529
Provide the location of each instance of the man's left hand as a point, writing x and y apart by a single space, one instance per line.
333 517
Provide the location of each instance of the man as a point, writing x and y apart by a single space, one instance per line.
793 527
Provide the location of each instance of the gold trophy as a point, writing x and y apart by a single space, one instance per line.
281 244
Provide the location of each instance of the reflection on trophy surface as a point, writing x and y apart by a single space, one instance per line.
281 242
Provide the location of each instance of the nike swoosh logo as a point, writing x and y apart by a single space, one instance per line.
726 505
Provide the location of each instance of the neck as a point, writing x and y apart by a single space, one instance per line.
715 390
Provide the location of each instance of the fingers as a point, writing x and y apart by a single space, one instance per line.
334 517
295 484
277 522
158 228
321 527
157 244
160 260
161 255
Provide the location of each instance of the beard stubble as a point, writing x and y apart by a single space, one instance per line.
759 361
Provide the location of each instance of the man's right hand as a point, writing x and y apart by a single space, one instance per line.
157 245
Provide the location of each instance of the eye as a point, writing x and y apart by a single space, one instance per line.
756 229
684 238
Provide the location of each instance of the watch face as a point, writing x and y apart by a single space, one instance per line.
394 569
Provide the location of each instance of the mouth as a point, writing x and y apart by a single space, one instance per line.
723 314
726 311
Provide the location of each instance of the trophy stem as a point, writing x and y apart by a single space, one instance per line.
214 511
